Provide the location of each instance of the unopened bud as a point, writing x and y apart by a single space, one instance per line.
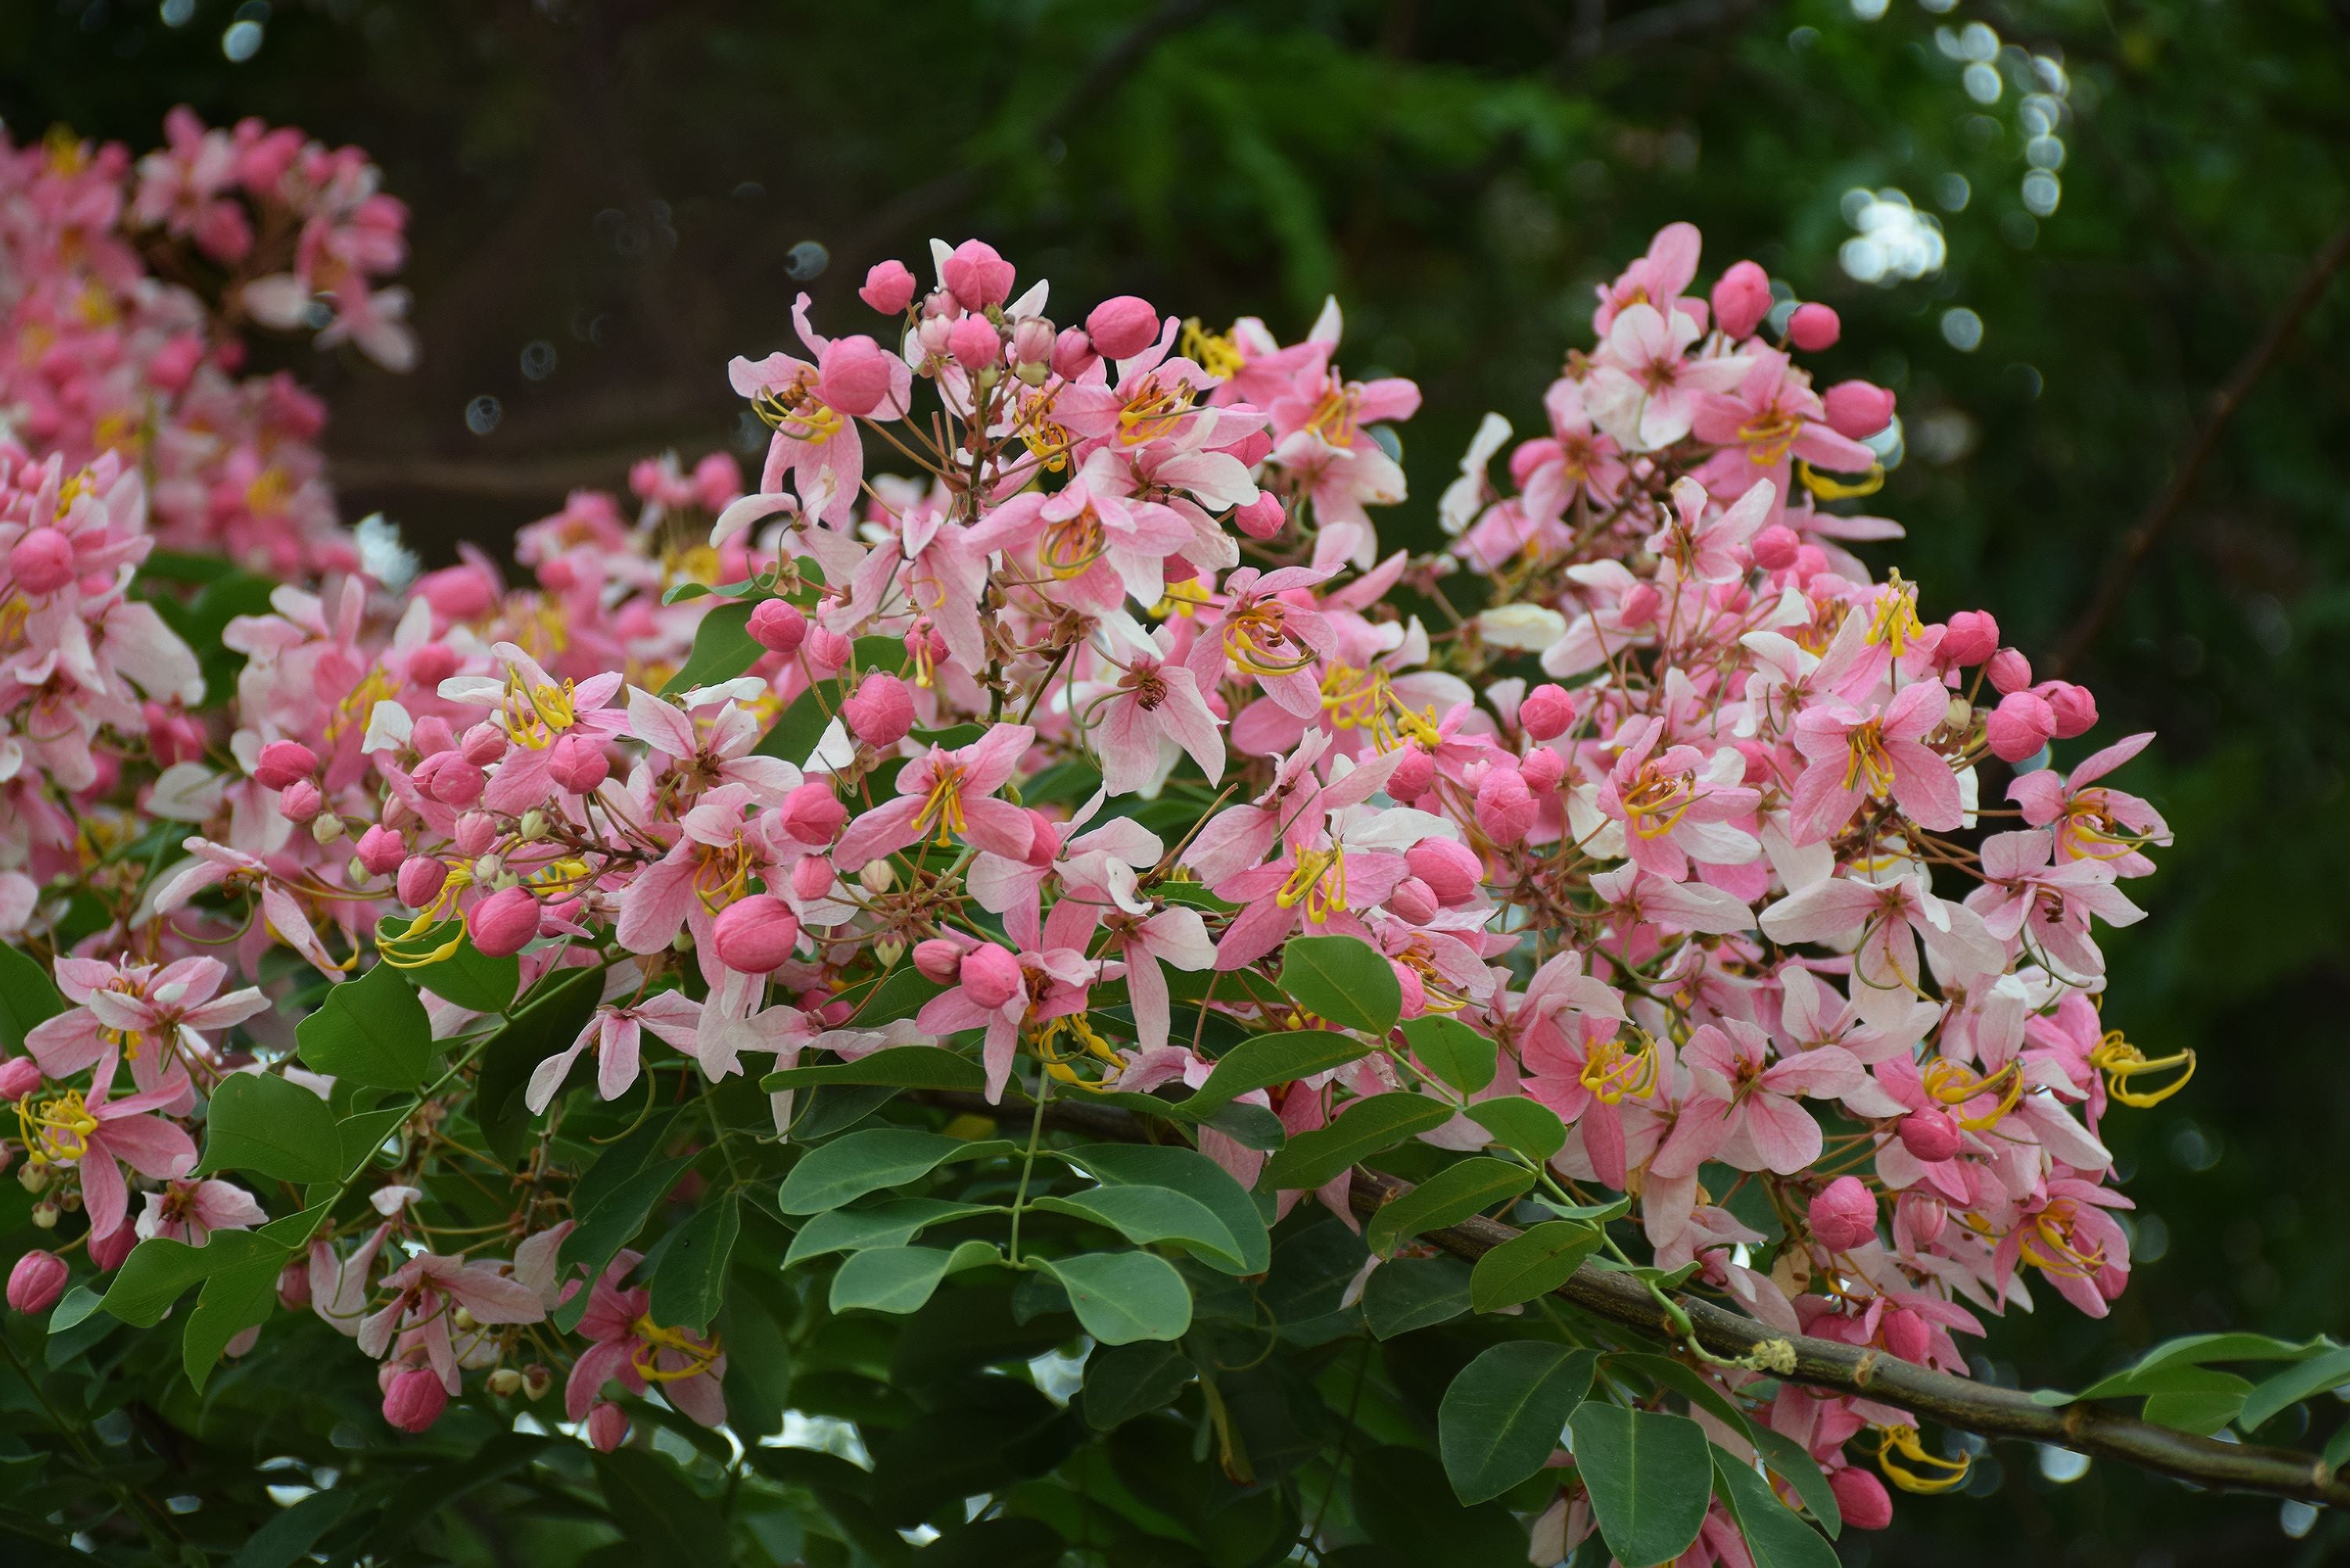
878 876
505 1382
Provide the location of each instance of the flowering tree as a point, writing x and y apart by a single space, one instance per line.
1038 992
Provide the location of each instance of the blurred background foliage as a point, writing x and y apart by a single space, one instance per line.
2058 230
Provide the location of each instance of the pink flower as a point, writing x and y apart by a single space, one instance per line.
615 1034
190 1211
427 1291
2047 907
949 794
1155 703
1676 805
626 1344
1882 921
1858 756
150 1014
1745 1113
99 1135
2093 822
1643 390
816 441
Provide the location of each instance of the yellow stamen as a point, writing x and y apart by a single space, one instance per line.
1213 352
1954 1084
1868 759
537 714
1837 490
1316 868
1153 411
57 1129
1768 436
1901 1442
1894 622
1612 1072
2047 1243
1657 801
944 806
2120 1061
652 1339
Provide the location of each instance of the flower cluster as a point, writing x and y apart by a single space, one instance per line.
1051 746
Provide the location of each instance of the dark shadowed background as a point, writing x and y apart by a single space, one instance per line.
2093 248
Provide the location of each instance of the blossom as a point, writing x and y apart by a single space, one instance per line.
949 794
427 1292
1744 1112
614 1034
625 1345
1855 756
190 1211
98 1135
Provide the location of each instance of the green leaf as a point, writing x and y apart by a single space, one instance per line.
74 1308
1414 1293
723 649
1502 1418
372 1032
889 1224
1144 1215
1121 1297
470 978
1453 1052
28 997
1528 1127
1123 1381
608 1222
1364 1128
899 1067
1651 1477
846 1169
288 1536
2215 1399
1344 980
902 1279
160 1269
657 1510
2292 1386
549 1019
356 1137
1794 1464
2157 1371
1668 1373
1196 1176
232 1300
1451 1195
1269 1059
690 1286
271 1126
1532 1264
1774 1533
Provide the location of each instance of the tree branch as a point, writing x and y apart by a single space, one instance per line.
1962 1403
2139 543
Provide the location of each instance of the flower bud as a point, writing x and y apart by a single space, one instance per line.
483 743
46 1214
607 1428
888 287
19 1076
460 593
293 1285
107 1251
282 762
420 881
2019 726
1970 637
431 736
811 814
381 849
975 344
504 923
1031 344
882 711
33 1177
1814 327
2075 709
1449 868
430 664
778 625
1639 604
1905 1335
1543 769
1122 327
1844 1214
1857 410
1546 713
2010 671
1073 354
43 561
976 276
812 878
536 1379
1412 776
991 976
1930 1134
877 876
300 801
1777 547
1262 518
326 828
576 764
505 1382
828 650
756 935
937 960
36 1281
1741 299
1505 807
453 781
414 1399
1862 1498
853 375
1414 900
475 832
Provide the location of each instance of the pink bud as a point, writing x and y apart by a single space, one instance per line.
293 1285
778 625
2019 726
1449 868
1777 547
882 711
414 1399
1543 769
756 935
174 365
576 764
1639 604
282 762
504 923
1414 900
1930 1134
43 561
2074 708
1031 341
828 650
853 375
1906 1335
432 736
476 831
482 744
453 781
937 960
1413 776
976 276
812 878
1862 1498
381 849
813 814
888 287
420 881
1857 410
991 976
300 801
2009 671
1123 326
1262 518
1970 637
1545 712
607 1428
107 1251
1073 354
1741 299
36 1281
1844 1214
974 344
19 1076
1814 327
1922 1217
430 664
1505 807
460 593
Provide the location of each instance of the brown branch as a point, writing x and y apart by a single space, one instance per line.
1959 1402
2139 543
